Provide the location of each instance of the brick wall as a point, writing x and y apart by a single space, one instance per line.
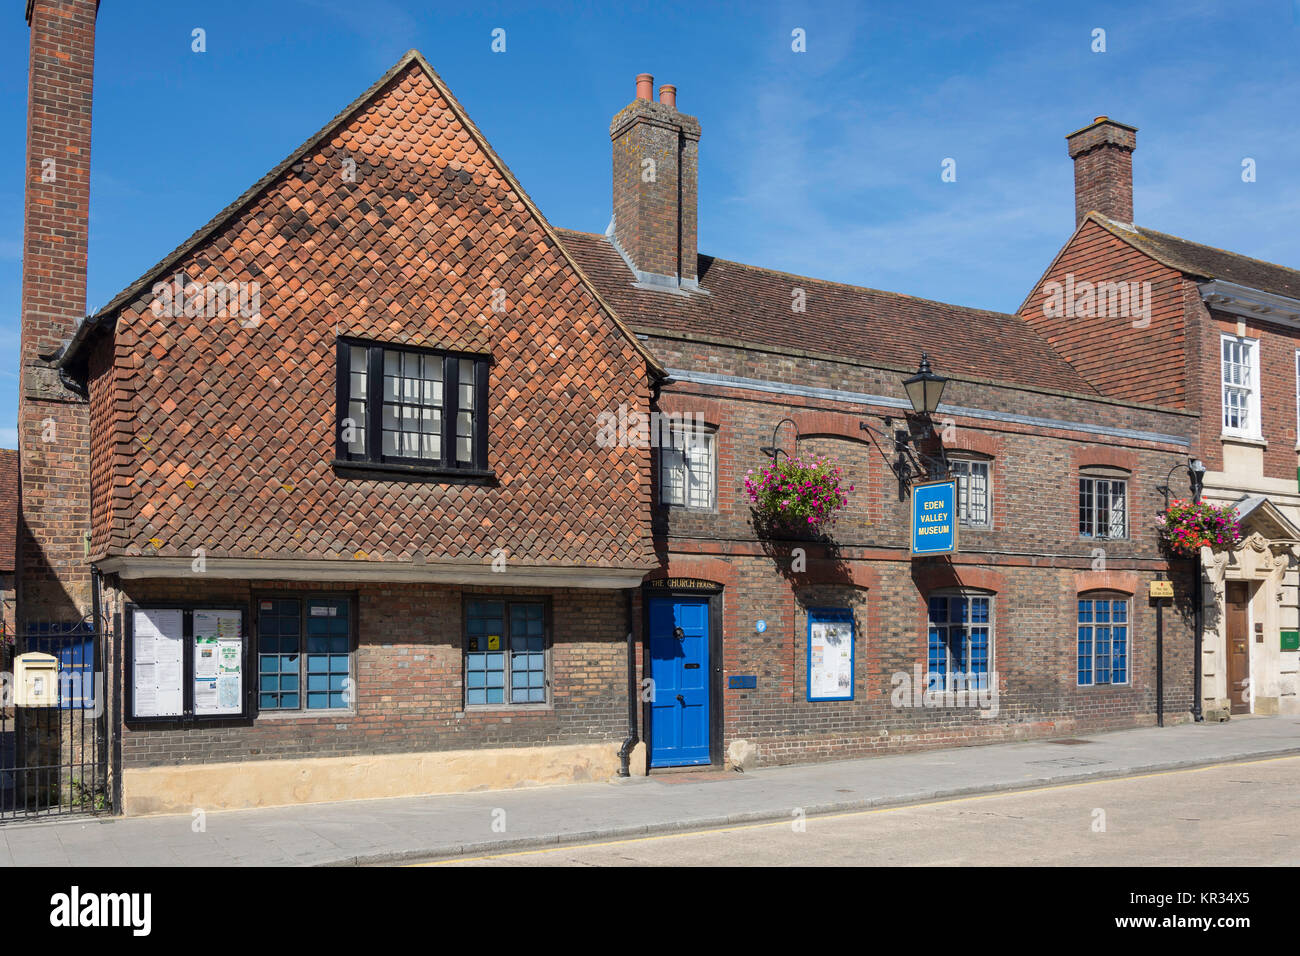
1277 380
54 583
655 206
408 674
1032 561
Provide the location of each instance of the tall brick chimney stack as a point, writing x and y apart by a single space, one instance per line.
656 182
53 422
1103 169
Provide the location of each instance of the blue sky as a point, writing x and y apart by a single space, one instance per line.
824 163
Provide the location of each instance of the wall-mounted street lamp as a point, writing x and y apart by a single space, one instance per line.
773 449
1195 469
924 390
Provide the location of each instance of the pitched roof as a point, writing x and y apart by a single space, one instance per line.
753 305
8 508
1205 262
71 356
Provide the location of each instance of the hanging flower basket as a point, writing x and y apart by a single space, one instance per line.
1187 527
797 494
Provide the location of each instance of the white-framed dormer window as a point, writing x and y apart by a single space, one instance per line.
1240 377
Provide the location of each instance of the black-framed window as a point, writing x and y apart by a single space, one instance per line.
410 406
507 652
305 650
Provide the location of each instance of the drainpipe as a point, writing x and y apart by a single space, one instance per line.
1198 601
625 752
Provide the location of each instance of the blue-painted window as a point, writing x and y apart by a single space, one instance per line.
1103 640
329 640
960 641
304 653
505 652
279 649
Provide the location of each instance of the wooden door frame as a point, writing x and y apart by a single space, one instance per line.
713 595
1248 640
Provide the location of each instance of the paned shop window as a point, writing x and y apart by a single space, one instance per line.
1103 640
506 652
412 407
960 640
974 490
1103 503
304 653
687 468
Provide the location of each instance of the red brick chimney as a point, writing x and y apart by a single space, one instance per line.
53 423
656 176
1103 169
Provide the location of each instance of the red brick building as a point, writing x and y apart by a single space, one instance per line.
359 528
1149 317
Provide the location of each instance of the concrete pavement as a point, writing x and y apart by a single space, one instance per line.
1235 814
378 831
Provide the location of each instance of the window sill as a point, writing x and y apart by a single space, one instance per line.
278 715
1244 439
382 470
480 709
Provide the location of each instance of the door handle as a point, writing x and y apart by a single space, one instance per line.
681 698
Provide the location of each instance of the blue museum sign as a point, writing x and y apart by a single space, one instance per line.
934 517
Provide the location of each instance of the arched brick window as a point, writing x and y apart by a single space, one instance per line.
1103 629
959 652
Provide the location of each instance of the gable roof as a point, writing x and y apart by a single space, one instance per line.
1257 510
752 305
1205 262
8 508
72 357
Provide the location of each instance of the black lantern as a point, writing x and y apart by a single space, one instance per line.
925 388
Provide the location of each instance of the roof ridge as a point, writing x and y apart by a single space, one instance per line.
1129 232
833 282
1226 252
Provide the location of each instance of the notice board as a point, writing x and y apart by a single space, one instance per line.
218 662
158 663
186 663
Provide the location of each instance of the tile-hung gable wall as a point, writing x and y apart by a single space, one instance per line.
232 428
1122 352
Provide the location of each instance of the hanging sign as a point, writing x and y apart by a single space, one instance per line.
934 518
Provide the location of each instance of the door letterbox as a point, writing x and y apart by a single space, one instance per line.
36 680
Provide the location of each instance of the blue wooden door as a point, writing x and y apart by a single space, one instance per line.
678 732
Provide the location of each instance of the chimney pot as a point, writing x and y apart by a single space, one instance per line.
645 84
668 96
